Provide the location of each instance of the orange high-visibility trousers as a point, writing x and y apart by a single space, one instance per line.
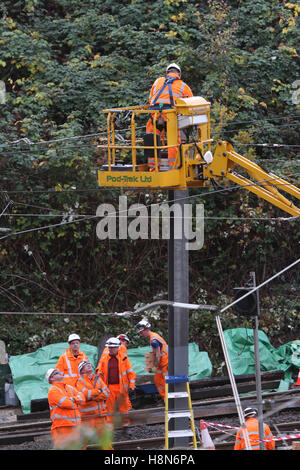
172 151
98 424
160 380
64 436
115 401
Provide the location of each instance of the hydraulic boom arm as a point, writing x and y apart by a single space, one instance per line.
265 184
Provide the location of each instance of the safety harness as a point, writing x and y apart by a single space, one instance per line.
168 82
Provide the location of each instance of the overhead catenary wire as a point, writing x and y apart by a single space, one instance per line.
188 306
86 218
114 213
92 146
99 189
184 217
127 314
66 313
104 133
70 213
27 141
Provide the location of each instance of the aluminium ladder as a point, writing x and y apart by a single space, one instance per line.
179 414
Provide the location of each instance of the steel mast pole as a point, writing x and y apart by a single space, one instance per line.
178 318
257 367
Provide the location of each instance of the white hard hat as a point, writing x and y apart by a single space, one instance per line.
142 325
49 373
123 337
72 337
173 66
250 412
113 343
82 364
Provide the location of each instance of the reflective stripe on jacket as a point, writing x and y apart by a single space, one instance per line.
253 433
68 365
178 87
95 399
163 363
126 372
63 403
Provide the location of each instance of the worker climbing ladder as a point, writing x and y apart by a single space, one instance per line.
188 413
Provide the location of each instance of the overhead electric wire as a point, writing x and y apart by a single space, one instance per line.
236 187
97 216
58 191
104 133
274 118
43 142
229 217
92 146
257 130
8 204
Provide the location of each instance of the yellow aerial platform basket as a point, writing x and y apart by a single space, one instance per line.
188 113
186 129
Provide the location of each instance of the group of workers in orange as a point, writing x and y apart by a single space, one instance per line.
80 397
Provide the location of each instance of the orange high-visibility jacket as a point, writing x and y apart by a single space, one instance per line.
178 87
163 363
95 392
126 372
253 433
63 403
68 365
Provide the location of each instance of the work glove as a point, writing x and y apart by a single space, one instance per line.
153 369
131 394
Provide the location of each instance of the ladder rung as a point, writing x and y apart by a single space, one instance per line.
179 414
180 433
176 379
178 395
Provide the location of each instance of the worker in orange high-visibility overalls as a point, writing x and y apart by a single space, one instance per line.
68 362
93 410
64 401
252 425
116 370
160 349
163 93
124 340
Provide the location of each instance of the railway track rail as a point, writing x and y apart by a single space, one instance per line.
32 427
222 441
219 441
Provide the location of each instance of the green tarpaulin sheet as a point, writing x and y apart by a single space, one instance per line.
240 346
28 370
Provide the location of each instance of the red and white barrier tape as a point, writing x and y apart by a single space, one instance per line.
290 436
222 425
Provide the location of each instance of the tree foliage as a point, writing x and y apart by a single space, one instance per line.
63 62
